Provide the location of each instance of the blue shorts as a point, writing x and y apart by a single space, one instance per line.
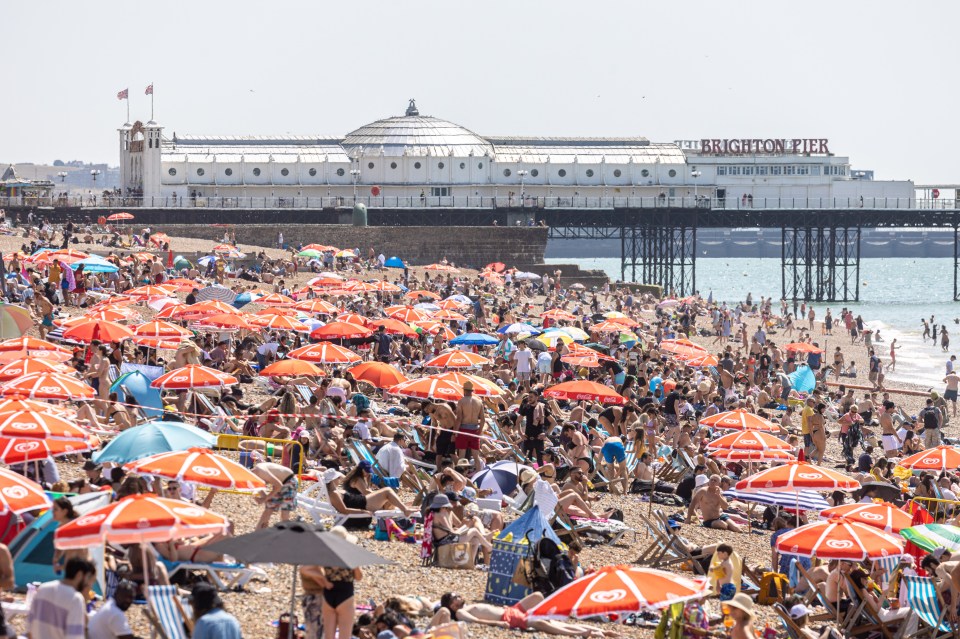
727 591
614 451
620 378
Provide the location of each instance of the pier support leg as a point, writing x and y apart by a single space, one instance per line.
666 256
820 264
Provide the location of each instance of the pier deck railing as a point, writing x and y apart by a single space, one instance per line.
481 202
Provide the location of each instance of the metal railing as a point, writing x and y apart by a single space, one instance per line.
481 202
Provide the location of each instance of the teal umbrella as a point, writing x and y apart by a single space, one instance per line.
153 438
929 537
95 264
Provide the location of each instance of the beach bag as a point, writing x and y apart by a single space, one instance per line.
456 556
773 586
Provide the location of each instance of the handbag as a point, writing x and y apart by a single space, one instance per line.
458 556
283 627
521 575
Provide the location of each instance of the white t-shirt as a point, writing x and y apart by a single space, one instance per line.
362 429
108 623
524 359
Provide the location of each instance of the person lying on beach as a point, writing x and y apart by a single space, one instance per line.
453 607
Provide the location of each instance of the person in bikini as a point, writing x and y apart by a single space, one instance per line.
454 608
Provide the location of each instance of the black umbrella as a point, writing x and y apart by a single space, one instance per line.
296 543
535 344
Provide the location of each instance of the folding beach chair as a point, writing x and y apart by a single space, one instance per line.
166 613
928 605
862 618
316 501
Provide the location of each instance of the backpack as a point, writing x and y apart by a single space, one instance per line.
552 568
773 587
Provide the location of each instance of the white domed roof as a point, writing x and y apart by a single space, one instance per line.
415 134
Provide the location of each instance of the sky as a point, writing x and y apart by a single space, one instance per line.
875 78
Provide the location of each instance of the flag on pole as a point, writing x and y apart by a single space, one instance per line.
123 95
149 90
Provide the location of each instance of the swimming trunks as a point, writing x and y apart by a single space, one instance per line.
515 616
614 451
708 523
468 438
286 500
47 320
727 591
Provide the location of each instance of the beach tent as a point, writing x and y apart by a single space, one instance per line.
137 383
509 547
32 549
802 379
180 262
394 262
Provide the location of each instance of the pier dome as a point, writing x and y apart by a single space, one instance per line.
415 134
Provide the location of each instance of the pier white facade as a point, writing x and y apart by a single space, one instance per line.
422 159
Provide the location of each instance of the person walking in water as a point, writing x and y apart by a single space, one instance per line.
944 338
893 355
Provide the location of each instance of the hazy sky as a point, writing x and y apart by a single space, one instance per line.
876 78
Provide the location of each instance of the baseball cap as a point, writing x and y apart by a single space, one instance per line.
798 611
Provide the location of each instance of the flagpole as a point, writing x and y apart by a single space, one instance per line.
151 100
128 106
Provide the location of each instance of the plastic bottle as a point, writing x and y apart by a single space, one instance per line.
769 632
31 592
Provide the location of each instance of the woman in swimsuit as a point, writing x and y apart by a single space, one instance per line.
118 413
357 492
448 529
337 584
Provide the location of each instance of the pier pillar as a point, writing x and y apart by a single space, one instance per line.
820 264
660 254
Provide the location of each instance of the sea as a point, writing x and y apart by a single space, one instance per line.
895 294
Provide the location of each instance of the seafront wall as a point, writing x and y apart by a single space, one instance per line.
469 246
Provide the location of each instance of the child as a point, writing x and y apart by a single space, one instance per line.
723 573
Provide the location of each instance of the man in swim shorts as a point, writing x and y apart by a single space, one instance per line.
470 425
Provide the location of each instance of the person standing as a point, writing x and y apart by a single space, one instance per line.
470 425
952 381
932 420
893 355
523 364
531 410
58 608
213 622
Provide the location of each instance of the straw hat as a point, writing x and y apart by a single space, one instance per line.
743 602
342 533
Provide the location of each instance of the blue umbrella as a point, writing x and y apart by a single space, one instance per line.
519 327
499 478
804 499
242 299
95 264
153 438
206 260
395 262
474 339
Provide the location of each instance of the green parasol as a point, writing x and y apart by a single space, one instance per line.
929 537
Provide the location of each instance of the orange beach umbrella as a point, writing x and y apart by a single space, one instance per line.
193 376
47 386
200 466
739 419
379 374
324 353
585 390
942 457
882 515
796 476
839 538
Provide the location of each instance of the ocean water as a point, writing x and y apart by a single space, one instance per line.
894 295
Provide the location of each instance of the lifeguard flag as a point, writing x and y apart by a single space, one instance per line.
123 95
149 90
170 258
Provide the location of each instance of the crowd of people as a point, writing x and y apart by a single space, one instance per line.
368 447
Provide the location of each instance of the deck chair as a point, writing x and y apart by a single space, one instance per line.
225 576
928 605
305 393
166 613
863 619
316 501
606 531
218 420
793 630
413 480
817 597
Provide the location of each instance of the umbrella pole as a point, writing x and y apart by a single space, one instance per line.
146 570
293 603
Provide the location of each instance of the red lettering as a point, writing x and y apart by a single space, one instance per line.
823 146
814 145
769 146
745 146
705 146
757 145
734 145
718 148
779 146
806 146
795 143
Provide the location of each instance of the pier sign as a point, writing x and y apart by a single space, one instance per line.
766 146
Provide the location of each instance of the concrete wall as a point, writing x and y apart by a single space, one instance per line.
469 246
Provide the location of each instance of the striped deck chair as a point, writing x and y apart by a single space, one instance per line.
927 604
305 392
166 613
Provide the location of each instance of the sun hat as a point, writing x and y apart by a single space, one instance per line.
743 602
527 475
342 533
440 501
471 509
331 474
468 385
468 493
701 480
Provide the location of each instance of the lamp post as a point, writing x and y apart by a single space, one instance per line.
695 174
522 173
356 177
94 173
63 176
